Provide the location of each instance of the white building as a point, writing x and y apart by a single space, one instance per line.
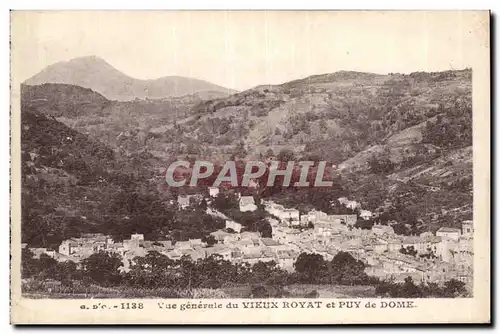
467 227
247 203
343 200
137 236
448 233
365 214
213 191
353 205
382 229
236 227
314 215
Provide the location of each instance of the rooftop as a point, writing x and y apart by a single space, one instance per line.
449 230
269 242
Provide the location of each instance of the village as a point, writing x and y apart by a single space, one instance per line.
426 258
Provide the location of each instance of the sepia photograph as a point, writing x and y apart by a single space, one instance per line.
279 159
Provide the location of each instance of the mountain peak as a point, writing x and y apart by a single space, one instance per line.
97 74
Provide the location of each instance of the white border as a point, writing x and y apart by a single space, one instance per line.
186 4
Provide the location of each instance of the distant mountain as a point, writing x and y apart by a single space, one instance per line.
95 73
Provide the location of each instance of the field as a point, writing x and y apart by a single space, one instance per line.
38 290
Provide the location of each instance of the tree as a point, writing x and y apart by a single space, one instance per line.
67 272
401 229
260 291
364 224
311 266
203 205
209 240
286 155
29 266
265 229
49 267
225 201
102 268
345 269
150 271
454 288
381 165
409 289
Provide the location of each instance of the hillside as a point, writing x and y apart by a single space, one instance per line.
127 126
73 184
332 116
96 74
395 138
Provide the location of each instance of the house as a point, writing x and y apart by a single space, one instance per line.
448 233
39 251
223 251
379 247
253 258
268 242
278 232
314 215
86 245
365 214
195 242
394 245
166 243
213 191
286 260
192 253
184 201
382 229
272 207
174 255
290 215
132 243
250 235
68 247
236 227
464 252
416 242
183 245
467 227
291 236
219 235
246 246
247 203
445 250
326 228
431 242
137 236
346 219
353 205
343 200
231 238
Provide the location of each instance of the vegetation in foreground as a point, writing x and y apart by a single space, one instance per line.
155 275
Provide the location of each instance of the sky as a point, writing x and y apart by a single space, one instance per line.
241 50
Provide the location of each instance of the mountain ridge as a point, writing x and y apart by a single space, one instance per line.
97 74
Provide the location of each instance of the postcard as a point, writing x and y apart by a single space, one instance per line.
250 167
